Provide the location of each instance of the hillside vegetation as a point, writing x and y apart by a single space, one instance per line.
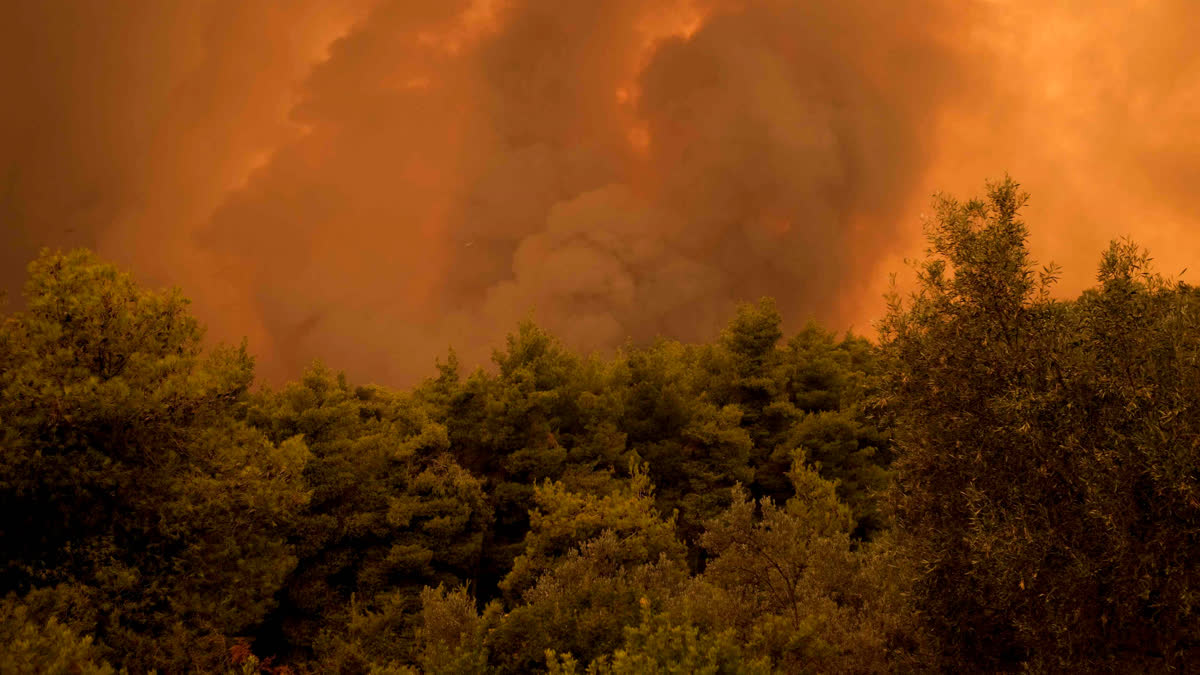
1004 481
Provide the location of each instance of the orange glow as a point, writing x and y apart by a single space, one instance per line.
639 139
776 225
681 18
375 181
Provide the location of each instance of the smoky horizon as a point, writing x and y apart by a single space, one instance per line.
373 182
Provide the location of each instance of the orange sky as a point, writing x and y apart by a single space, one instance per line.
373 181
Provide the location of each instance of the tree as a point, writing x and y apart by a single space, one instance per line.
125 477
787 582
1045 457
708 416
826 386
391 512
749 345
453 634
695 449
659 644
30 645
563 520
547 415
588 561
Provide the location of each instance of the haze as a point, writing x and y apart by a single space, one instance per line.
375 182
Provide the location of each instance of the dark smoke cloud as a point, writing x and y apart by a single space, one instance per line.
374 183
124 124
564 160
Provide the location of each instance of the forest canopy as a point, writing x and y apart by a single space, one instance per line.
1004 480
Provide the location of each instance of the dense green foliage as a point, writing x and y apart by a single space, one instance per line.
1005 481
128 487
389 512
1048 452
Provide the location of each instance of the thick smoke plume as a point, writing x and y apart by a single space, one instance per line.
374 183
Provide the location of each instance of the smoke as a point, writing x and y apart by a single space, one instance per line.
125 124
615 179
375 183
1093 108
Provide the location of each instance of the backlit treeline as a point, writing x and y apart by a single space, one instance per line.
1007 480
